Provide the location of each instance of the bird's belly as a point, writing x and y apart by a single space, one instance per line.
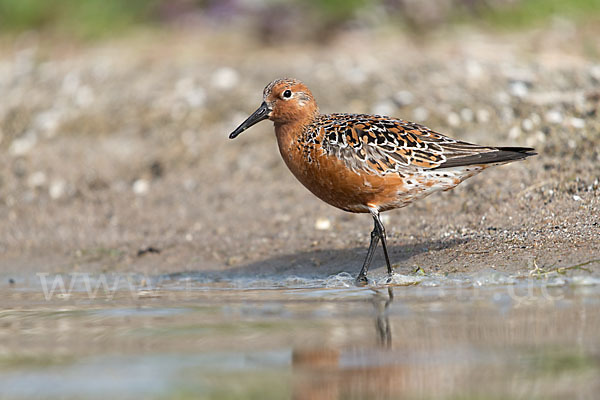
332 181
329 178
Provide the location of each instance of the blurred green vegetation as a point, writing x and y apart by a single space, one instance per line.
526 12
81 18
341 9
84 19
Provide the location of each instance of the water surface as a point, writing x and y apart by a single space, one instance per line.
488 336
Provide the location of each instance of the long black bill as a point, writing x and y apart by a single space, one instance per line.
257 116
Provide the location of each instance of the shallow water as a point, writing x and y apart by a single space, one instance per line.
488 335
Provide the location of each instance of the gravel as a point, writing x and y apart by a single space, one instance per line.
118 146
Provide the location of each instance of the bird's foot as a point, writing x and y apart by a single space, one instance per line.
361 280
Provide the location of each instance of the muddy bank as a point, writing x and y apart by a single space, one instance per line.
115 158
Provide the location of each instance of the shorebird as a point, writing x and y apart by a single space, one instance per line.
367 163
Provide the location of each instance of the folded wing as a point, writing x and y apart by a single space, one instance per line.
383 145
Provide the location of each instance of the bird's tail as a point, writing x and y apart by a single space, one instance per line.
499 155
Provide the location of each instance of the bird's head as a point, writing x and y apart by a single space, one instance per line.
284 101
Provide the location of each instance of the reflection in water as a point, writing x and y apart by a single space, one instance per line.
454 341
326 373
470 343
382 322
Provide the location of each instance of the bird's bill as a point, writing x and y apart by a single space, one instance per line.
257 116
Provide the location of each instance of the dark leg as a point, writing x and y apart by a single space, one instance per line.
377 233
381 231
361 279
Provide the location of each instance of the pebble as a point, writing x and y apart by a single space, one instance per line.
84 96
518 89
71 83
404 98
384 107
420 114
141 186
467 114
507 114
225 78
483 116
554 117
595 72
192 94
453 119
474 69
503 98
514 132
23 145
385 218
322 224
577 123
48 122
57 189
36 180
540 137
527 125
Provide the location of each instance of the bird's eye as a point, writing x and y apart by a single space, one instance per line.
287 94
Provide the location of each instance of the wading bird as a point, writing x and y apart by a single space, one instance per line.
367 163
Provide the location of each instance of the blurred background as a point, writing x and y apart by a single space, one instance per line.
115 115
235 281
108 103
280 21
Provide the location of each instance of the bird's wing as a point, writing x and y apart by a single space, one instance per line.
383 145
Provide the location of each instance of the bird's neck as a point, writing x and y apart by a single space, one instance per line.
288 132
289 139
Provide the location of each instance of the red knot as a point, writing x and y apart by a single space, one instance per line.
367 163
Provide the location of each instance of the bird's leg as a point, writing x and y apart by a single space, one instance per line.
361 279
377 233
381 231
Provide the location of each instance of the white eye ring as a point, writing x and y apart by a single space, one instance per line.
287 94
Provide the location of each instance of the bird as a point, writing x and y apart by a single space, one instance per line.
364 163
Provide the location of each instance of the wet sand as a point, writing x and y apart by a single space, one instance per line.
108 152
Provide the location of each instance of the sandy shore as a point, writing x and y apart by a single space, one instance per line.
115 157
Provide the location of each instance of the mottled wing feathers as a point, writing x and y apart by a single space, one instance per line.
384 145
380 144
